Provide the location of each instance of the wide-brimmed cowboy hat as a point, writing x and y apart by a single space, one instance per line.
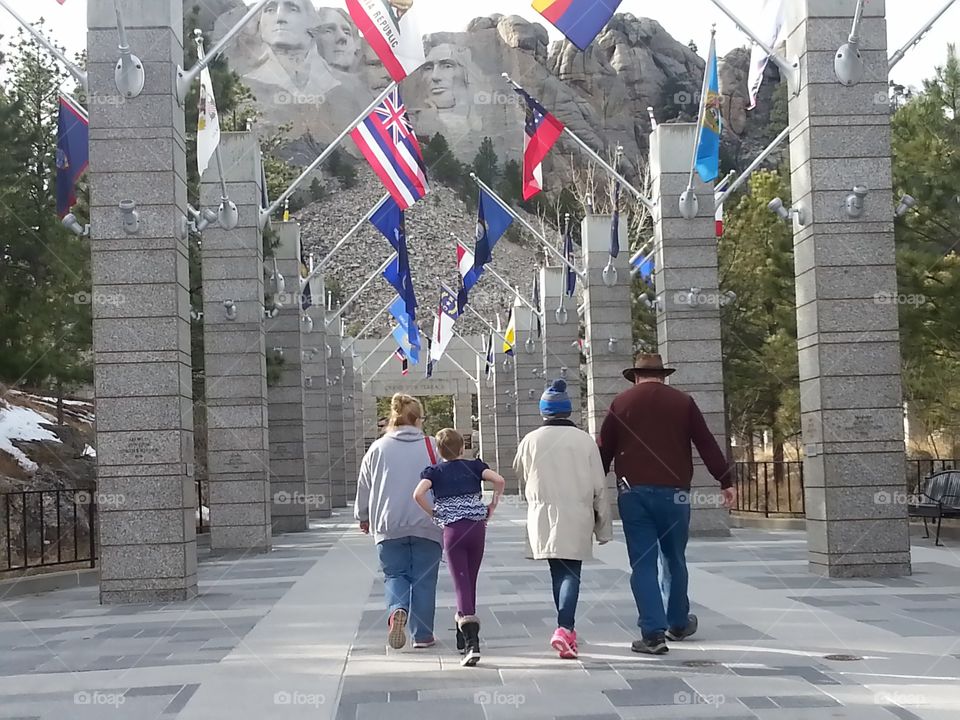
647 364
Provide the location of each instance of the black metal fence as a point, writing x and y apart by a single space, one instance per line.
47 529
771 488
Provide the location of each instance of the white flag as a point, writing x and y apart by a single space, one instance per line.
771 26
208 123
443 324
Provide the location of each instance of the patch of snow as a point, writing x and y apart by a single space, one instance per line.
89 452
17 423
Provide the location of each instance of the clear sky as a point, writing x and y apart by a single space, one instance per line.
684 19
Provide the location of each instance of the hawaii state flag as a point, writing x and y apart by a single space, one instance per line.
393 30
580 20
387 141
541 131
73 153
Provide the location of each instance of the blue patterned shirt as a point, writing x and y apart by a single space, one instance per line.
457 490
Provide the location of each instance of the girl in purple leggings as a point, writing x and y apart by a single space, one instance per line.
458 508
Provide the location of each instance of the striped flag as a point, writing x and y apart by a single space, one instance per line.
392 29
580 20
387 141
541 131
469 276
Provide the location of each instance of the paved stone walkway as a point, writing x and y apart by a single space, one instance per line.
300 634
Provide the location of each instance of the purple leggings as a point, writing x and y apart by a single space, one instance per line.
463 542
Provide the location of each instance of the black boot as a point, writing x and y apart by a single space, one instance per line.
461 640
469 626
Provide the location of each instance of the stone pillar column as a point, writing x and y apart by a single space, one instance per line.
370 417
505 393
688 326
141 342
486 400
338 477
850 386
607 317
315 399
349 428
463 410
561 351
288 456
359 424
238 445
529 361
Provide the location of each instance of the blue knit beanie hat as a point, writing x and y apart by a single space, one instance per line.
555 400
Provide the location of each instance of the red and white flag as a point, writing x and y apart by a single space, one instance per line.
719 220
393 30
541 131
443 324
388 142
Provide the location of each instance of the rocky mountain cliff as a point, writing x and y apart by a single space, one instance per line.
602 94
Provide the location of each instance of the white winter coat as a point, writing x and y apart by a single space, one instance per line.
565 488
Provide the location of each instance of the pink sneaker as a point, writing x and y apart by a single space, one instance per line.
565 643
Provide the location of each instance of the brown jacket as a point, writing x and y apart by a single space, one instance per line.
647 435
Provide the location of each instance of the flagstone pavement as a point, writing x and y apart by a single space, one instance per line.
299 633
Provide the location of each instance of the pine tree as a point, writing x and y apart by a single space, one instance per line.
486 164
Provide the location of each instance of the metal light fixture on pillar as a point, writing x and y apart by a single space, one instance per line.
130 217
776 206
129 74
848 62
230 309
71 223
905 205
854 203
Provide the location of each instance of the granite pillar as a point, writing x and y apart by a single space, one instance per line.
349 427
315 400
486 399
847 325
508 437
529 362
141 337
463 410
688 325
335 394
288 456
235 366
609 325
561 333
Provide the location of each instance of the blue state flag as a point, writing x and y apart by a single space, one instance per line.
711 124
73 153
645 266
492 222
386 218
398 272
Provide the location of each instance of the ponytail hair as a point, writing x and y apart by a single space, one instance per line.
404 410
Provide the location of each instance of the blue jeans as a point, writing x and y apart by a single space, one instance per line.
566 589
657 519
410 568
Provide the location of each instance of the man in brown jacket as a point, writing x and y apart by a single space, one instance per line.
647 436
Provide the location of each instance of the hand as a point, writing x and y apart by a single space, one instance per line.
490 509
603 542
365 527
729 497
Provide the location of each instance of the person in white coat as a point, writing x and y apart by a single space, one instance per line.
567 506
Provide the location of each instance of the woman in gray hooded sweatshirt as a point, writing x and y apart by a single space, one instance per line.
408 541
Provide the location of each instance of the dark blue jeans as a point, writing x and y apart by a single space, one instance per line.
657 519
410 568
566 589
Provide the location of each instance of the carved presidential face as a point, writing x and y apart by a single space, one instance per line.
446 76
337 39
285 24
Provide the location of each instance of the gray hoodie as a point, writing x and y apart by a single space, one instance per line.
389 474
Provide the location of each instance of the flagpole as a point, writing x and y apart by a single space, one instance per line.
502 203
77 73
745 175
265 214
378 370
370 324
363 287
464 340
596 158
470 377
489 326
185 78
704 90
496 276
915 40
353 231
374 351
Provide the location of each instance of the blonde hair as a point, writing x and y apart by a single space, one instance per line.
450 444
404 410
